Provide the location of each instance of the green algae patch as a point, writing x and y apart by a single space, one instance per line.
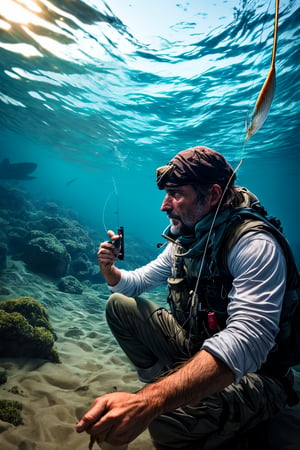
10 411
25 330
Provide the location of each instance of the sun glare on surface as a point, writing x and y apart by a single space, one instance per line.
31 5
27 14
14 11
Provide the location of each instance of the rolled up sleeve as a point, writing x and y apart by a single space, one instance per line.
135 282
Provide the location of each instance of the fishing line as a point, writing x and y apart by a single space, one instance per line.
117 202
119 241
257 54
104 210
114 192
260 103
266 94
194 296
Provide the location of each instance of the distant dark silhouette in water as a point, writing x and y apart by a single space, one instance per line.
71 181
16 171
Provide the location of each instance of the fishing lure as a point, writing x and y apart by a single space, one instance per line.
266 95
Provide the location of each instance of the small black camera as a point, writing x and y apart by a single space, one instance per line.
119 243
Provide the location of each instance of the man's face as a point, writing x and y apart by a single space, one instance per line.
184 208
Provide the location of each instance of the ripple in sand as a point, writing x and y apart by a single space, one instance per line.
74 332
93 335
84 346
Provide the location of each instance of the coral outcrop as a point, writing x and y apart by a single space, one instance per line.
70 284
25 330
46 254
10 411
52 241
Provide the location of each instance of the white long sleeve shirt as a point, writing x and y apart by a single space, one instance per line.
258 267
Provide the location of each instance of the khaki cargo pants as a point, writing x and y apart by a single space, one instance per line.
154 343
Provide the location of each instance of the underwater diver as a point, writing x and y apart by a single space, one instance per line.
217 360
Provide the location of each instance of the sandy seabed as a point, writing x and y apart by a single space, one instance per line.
55 396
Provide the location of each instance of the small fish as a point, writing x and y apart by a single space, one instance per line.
71 181
266 95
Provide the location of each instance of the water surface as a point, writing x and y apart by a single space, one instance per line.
101 93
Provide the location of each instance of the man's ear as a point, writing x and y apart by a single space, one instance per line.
215 194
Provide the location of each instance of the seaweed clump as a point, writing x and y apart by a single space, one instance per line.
10 411
25 330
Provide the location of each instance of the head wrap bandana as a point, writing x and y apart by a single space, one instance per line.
196 165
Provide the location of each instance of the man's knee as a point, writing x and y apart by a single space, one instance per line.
117 304
120 305
112 302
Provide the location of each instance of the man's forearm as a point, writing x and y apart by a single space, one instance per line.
111 274
200 377
120 417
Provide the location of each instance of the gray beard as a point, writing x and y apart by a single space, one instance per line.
181 230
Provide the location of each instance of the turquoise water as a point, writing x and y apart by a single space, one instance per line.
99 94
